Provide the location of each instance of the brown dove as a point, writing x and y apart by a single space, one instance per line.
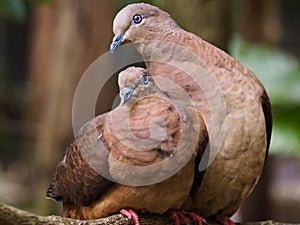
139 156
233 102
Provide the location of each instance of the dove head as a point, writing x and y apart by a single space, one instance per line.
134 84
138 22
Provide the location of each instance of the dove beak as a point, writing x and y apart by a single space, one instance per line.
116 42
125 94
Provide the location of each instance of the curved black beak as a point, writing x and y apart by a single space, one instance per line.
116 42
125 94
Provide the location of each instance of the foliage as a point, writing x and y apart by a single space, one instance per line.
15 10
280 74
12 9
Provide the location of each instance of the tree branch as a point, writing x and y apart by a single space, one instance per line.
13 216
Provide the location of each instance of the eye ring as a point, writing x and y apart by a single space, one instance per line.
137 18
145 79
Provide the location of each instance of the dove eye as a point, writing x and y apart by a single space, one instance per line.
137 18
145 79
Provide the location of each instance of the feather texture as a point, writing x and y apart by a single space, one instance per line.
232 100
140 155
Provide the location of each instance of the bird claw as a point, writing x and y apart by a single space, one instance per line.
195 217
179 217
224 220
130 214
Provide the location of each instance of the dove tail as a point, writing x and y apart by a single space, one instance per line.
52 193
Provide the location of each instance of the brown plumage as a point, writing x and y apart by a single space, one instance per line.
233 102
148 159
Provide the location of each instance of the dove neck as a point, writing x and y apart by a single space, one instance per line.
159 47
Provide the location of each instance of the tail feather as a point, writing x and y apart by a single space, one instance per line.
52 193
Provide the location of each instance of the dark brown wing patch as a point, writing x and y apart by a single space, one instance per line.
203 150
75 182
266 106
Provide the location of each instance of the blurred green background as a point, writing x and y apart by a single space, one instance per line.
46 45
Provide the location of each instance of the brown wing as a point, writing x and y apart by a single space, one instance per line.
75 182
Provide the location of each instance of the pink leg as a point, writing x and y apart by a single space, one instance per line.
130 214
224 220
179 217
174 217
195 217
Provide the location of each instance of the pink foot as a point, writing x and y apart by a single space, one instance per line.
179 217
130 214
224 220
195 217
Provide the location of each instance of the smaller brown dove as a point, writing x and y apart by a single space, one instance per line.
140 156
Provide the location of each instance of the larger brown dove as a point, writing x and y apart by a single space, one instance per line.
140 156
234 103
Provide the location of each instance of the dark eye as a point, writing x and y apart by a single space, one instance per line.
137 18
145 79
